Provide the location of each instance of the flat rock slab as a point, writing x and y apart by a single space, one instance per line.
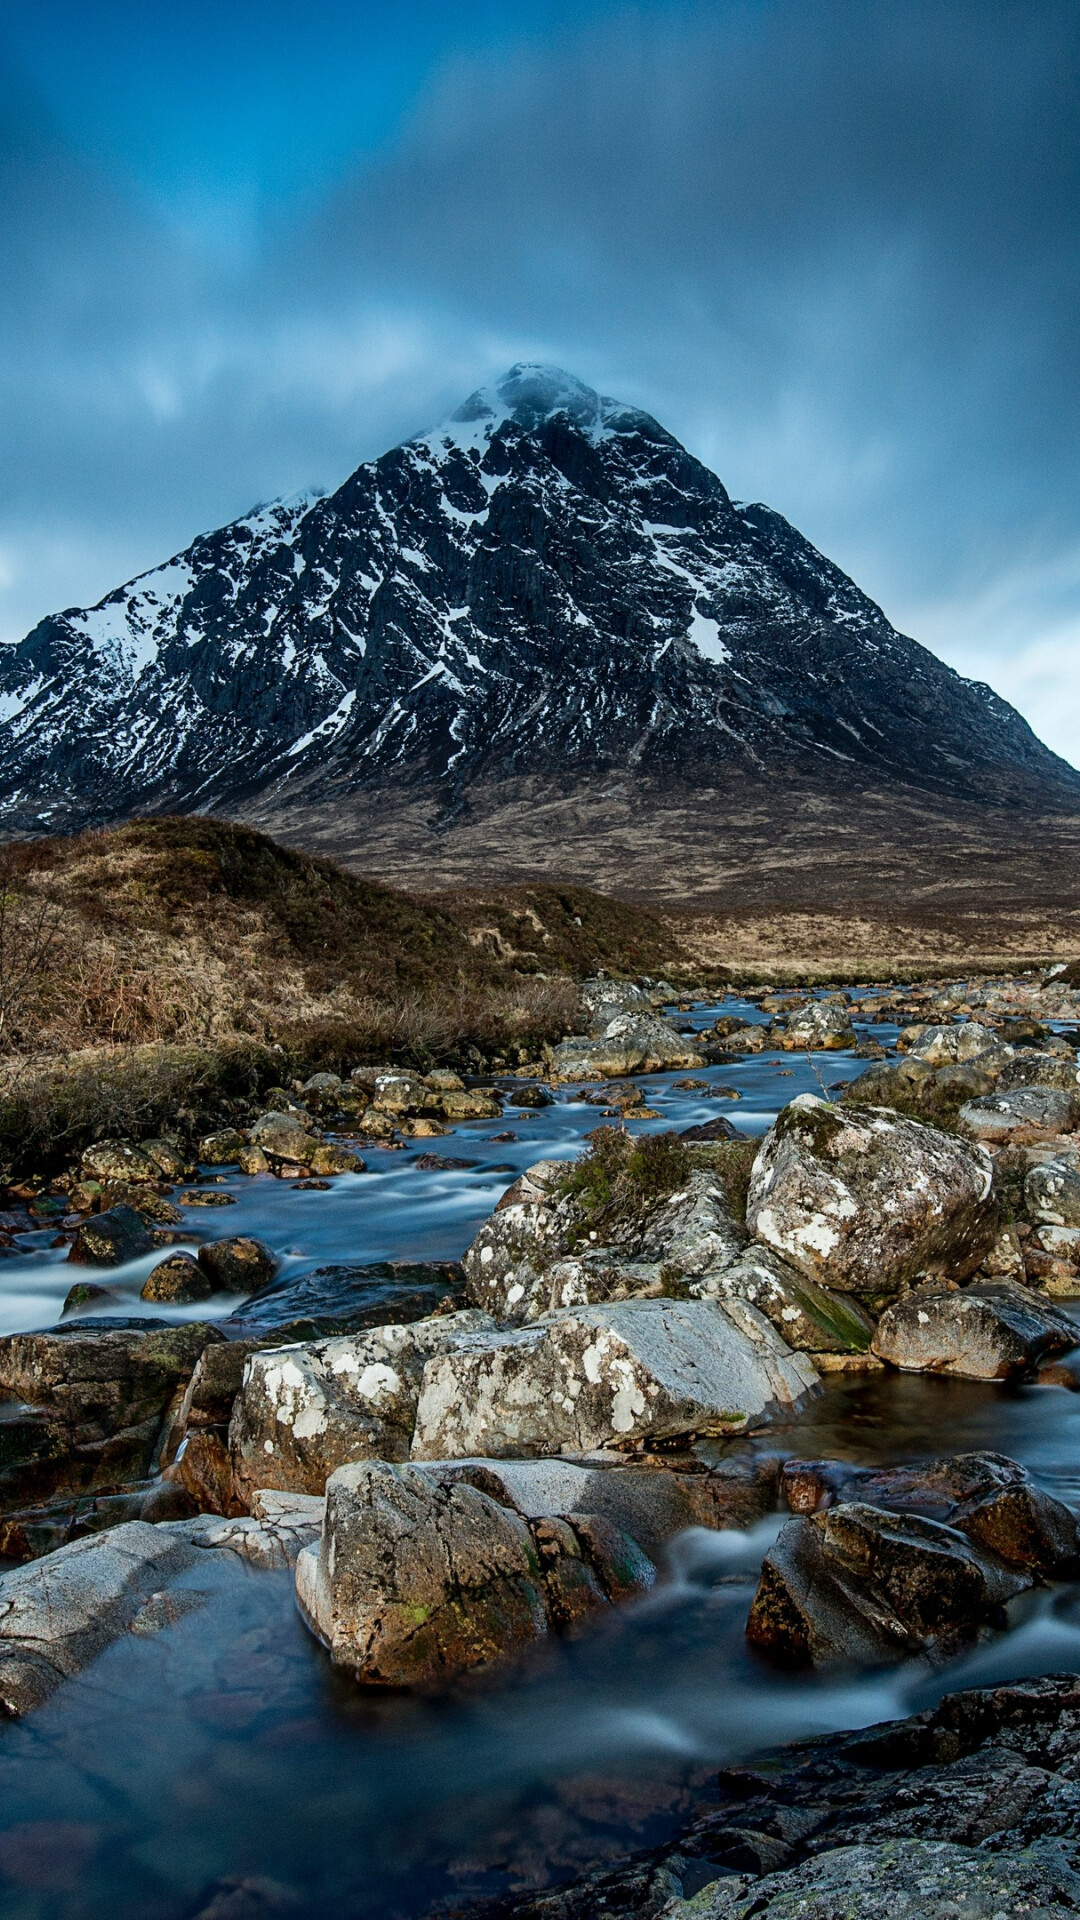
994 1331
862 1199
59 1613
609 1376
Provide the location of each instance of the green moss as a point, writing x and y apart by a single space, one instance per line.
620 1178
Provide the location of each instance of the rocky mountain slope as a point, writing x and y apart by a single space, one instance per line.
547 588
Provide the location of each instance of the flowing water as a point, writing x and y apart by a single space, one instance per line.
227 1746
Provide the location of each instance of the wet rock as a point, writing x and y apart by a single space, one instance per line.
283 1136
1025 1114
1052 1194
330 1158
898 1880
252 1160
87 1293
97 1396
818 1028
147 1202
645 1370
112 1239
413 1582
864 1199
858 1584
807 1316
177 1280
405 1094
991 1499
60 1612
728 1039
303 1411
238 1264
205 1470
630 1043
531 1097
992 1330
345 1299
166 1157
472 1103
718 1129
117 1160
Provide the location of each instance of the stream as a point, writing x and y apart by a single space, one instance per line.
227 1746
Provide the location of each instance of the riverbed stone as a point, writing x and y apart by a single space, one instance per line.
942 1045
112 1238
303 1411
630 1043
862 1199
344 1299
117 1160
237 1264
1025 1114
58 1613
1052 1194
992 1330
898 1879
991 1499
817 1027
221 1149
806 1315
579 1378
414 1581
177 1280
859 1584
284 1136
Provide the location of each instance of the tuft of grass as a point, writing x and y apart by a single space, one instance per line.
621 1178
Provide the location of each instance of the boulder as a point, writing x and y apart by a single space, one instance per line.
859 1584
1052 1194
92 1402
897 1879
817 1028
344 1299
506 1266
414 1581
993 1330
303 1411
1031 1069
166 1156
238 1264
694 1232
630 1043
1026 1114
329 1158
602 1000
806 1315
991 1499
60 1612
864 1199
283 1136
118 1160
470 1103
580 1378
221 1149
86 1293
178 1281
531 1097
111 1239
940 1046
405 1093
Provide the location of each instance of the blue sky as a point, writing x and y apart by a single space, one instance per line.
832 246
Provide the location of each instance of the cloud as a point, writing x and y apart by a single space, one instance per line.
831 246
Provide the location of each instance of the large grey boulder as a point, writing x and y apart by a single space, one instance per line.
60 1612
414 1581
860 1584
304 1410
1025 1114
694 1232
630 1043
507 1264
807 1316
819 1027
994 1330
941 1046
864 1199
609 1376
1031 1069
899 1879
603 1000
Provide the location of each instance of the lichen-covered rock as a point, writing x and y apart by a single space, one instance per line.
284 1136
694 1231
330 1158
112 1238
1052 1194
303 1411
939 1046
630 1043
221 1149
899 1879
1031 1069
177 1281
994 1330
864 1199
807 1316
118 1160
609 1376
817 1028
507 1263
1025 1114
857 1583
414 1581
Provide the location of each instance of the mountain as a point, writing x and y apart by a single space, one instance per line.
547 589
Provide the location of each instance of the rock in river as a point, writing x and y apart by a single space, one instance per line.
111 1239
238 1264
590 1377
343 1299
630 1043
864 1199
1025 1114
995 1330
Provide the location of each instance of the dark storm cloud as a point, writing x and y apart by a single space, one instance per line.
834 248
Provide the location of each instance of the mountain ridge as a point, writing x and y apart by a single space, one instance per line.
546 586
